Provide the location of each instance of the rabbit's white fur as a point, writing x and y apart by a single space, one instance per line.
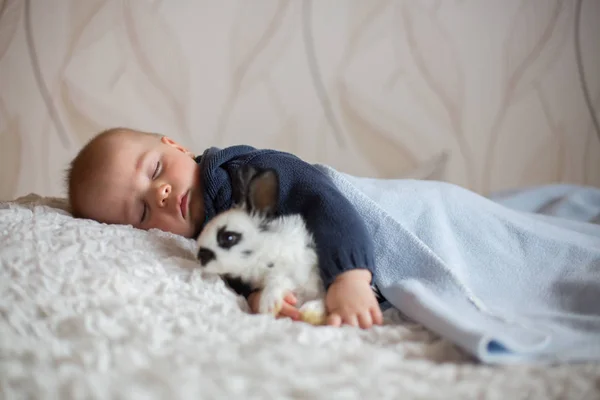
276 255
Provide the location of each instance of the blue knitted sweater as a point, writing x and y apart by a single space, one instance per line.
341 237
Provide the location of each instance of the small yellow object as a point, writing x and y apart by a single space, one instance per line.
309 316
313 317
277 308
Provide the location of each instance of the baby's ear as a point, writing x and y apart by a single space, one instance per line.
171 142
263 192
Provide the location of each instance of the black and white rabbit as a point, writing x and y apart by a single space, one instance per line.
275 254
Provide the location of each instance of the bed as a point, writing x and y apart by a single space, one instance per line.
96 311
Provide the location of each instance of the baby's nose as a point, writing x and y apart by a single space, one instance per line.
163 194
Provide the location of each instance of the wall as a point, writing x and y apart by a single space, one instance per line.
370 87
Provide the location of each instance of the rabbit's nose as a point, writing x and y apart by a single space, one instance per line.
205 256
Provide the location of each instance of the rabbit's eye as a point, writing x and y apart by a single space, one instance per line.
227 239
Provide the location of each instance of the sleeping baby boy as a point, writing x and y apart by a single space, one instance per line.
124 176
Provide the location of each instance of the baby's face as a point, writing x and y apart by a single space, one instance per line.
149 183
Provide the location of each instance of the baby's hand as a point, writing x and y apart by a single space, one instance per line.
288 308
350 300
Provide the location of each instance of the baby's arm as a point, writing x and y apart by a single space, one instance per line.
350 300
344 247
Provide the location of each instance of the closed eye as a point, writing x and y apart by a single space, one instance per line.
156 170
155 174
227 239
144 212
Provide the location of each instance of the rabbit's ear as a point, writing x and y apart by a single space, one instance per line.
263 192
241 181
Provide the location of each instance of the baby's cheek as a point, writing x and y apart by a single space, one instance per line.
169 225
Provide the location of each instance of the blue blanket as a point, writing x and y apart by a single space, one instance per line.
512 278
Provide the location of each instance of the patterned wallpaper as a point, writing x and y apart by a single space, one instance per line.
370 87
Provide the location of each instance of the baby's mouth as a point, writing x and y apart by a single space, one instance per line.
184 204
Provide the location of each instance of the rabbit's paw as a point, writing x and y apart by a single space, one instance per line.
271 301
313 312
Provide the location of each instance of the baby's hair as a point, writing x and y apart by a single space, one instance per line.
85 164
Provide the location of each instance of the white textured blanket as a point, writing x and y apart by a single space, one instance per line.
94 311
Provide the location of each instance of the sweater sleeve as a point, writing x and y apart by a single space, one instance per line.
341 237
